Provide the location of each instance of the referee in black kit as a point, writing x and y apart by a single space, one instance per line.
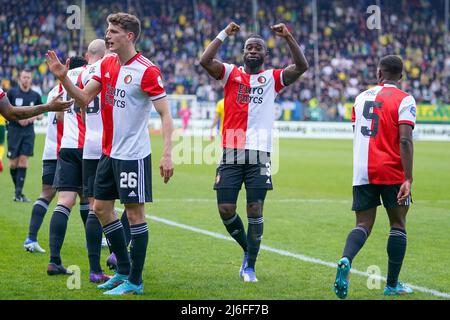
21 133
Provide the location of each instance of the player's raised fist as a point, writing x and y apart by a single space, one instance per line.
280 30
55 66
232 29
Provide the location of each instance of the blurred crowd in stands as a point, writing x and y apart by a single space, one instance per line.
175 34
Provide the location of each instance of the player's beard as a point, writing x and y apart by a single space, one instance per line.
254 64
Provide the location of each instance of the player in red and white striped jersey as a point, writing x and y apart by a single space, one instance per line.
249 114
49 159
67 180
129 84
92 152
383 119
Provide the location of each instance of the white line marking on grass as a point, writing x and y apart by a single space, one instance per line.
290 254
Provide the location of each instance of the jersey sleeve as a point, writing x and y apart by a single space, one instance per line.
89 72
95 71
152 83
278 76
2 93
407 111
227 69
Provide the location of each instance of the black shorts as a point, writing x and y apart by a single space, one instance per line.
89 171
127 180
368 196
20 142
253 168
69 170
48 172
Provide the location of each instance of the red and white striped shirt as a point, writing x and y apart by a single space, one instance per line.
249 107
74 127
126 97
376 116
94 126
2 93
54 130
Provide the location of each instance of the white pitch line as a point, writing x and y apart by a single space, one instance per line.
292 255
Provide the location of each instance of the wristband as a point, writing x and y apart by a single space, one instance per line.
222 35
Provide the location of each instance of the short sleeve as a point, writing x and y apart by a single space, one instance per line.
2 93
227 69
90 72
95 71
278 77
407 111
152 83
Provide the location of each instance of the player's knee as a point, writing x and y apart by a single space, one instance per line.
48 194
66 200
227 210
399 224
254 209
134 217
99 209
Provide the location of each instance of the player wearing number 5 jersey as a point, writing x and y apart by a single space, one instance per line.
129 84
383 119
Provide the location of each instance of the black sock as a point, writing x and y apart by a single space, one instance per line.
84 212
94 233
235 228
254 237
20 180
37 216
355 241
138 250
396 249
13 175
58 227
116 238
126 227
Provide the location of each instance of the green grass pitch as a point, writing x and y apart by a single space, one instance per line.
307 216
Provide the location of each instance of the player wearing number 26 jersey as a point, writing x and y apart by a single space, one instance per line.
383 119
128 84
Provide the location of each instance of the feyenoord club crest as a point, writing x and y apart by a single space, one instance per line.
261 79
128 79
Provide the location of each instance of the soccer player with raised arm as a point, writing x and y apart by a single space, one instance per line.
249 95
129 84
383 119
52 146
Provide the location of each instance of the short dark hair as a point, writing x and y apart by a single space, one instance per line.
391 64
27 70
76 62
127 22
255 35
